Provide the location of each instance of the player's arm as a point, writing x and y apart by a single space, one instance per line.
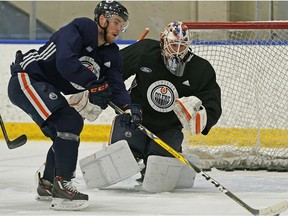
70 41
200 112
120 95
210 95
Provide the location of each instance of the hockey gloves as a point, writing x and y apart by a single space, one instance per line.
132 116
191 113
99 93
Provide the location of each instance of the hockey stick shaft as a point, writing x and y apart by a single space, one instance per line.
19 141
143 35
273 210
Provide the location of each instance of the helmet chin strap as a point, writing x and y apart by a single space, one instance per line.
105 30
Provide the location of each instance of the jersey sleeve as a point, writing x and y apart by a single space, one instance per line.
114 76
209 93
70 40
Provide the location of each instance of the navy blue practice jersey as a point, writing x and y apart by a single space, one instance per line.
71 59
156 88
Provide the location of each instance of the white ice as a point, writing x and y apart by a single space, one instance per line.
258 189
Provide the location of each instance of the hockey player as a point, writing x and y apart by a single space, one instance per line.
80 56
176 88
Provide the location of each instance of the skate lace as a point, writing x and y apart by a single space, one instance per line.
69 186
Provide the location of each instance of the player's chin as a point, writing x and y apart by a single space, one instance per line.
111 38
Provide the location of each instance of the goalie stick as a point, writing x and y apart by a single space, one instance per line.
272 210
19 141
143 35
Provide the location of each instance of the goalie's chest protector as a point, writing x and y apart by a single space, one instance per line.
157 87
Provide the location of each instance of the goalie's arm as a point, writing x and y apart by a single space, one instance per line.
210 95
199 111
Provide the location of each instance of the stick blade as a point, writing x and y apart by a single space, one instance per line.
19 141
275 209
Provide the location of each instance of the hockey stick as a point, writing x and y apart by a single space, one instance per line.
19 141
272 210
143 35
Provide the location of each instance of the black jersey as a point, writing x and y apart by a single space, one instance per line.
156 89
71 59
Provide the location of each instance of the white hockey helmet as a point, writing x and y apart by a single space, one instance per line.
174 44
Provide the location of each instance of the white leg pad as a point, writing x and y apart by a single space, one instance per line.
109 165
164 174
188 175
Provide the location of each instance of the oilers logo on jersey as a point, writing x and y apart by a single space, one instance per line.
90 63
161 95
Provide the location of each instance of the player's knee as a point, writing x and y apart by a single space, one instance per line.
173 138
135 138
69 121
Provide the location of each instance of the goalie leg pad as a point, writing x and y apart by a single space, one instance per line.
187 174
109 165
162 174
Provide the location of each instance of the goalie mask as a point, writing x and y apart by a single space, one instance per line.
175 50
109 8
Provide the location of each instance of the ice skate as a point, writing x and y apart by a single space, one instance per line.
44 189
66 196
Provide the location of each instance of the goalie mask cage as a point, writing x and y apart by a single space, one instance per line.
251 64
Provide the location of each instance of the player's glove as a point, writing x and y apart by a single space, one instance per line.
99 93
132 116
87 110
191 113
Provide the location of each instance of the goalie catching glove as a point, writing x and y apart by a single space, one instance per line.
191 113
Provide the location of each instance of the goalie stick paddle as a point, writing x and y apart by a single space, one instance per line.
12 144
272 210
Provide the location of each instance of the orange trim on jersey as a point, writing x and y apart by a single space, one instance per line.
32 95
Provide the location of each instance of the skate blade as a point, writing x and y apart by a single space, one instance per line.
43 198
68 205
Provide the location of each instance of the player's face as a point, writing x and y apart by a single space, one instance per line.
116 25
176 48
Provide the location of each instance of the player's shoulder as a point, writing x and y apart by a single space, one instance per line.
147 42
84 21
200 64
85 25
199 60
143 46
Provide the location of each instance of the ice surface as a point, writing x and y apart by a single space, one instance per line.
259 189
